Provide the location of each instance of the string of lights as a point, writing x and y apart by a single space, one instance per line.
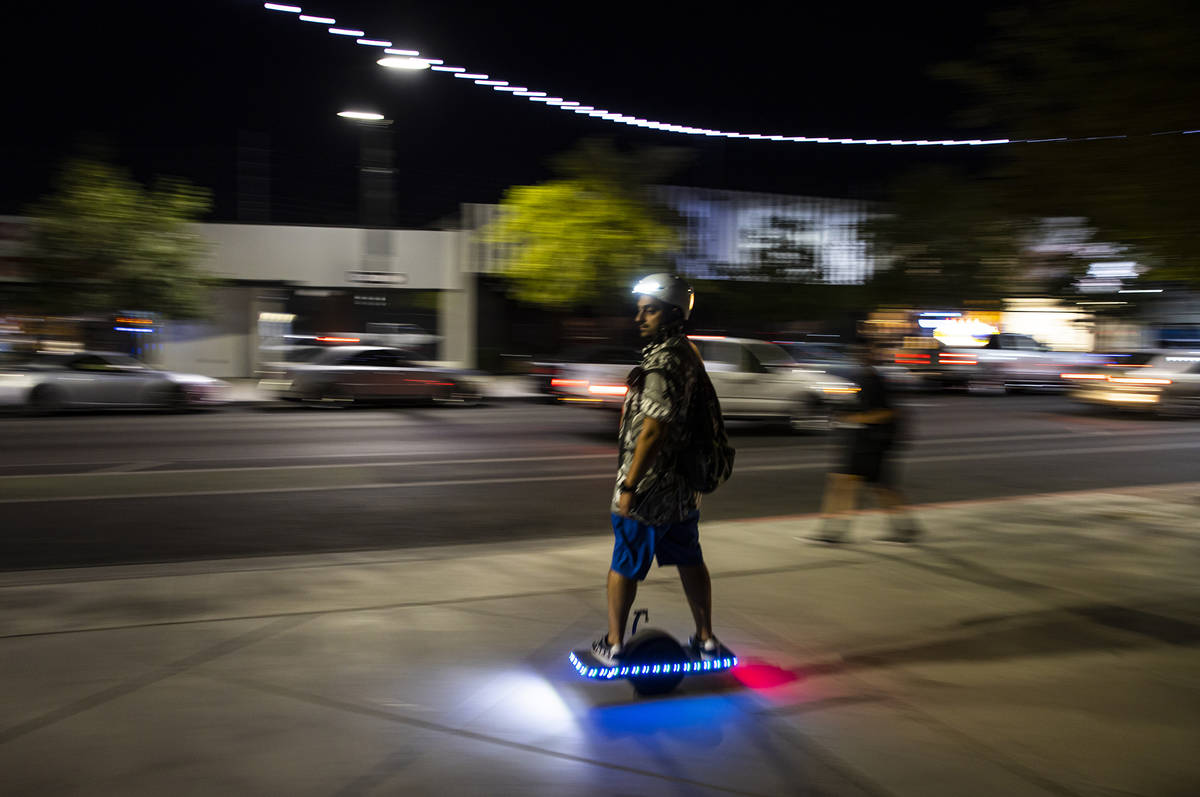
397 58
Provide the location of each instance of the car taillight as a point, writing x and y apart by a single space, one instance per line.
1082 376
568 382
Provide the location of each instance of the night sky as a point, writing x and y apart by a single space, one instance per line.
169 87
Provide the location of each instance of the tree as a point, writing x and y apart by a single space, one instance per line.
949 240
946 241
104 243
589 231
1118 77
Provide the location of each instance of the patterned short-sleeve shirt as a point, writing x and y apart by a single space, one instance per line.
661 388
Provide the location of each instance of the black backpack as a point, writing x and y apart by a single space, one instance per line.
706 459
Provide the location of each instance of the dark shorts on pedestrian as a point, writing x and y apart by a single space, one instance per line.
866 457
637 544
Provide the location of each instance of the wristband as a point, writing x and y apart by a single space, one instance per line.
625 488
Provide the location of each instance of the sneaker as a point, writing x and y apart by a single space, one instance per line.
832 532
902 531
708 649
606 653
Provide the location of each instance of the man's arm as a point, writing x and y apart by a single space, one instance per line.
649 443
869 416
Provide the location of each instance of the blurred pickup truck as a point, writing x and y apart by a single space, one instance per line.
1007 361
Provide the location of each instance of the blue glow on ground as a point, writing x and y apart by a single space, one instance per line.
685 722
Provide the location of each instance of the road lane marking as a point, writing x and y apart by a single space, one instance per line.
825 446
395 464
124 467
526 478
307 489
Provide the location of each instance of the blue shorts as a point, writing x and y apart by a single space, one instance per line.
638 544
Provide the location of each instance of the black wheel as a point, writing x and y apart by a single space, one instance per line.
1173 405
45 400
330 394
173 399
810 415
987 384
459 394
654 648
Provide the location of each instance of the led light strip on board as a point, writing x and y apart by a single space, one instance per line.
412 59
666 668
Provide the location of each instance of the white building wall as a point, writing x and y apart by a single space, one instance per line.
319 258
457 308
222 345
330 257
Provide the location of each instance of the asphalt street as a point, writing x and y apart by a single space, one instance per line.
119 488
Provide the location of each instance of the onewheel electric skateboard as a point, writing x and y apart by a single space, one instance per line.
652 660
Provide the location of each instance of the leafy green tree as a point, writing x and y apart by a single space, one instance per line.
1121 74
949 240
945 241
103 243
589 231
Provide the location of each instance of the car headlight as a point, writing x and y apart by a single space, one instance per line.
1122 397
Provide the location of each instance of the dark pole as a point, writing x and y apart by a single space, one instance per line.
376 175
377 189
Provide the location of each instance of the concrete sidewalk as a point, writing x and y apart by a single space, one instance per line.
1045 645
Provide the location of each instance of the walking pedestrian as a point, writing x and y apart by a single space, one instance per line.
870 435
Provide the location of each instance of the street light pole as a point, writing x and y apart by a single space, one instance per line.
376 186
376 175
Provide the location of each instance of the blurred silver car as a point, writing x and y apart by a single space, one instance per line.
1167 383
754 379
834 359
609 363
47 382
364 374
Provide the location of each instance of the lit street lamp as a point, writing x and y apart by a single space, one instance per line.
362 116
395 62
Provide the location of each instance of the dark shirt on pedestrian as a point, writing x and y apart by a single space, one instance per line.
874 395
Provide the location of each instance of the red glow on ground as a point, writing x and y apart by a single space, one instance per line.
760 675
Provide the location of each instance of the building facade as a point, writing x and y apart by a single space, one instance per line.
733 233
277 283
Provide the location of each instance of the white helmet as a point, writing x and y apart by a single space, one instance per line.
668 289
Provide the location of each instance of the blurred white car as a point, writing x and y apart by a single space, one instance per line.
759 380
48 382
754 379
1166 383
363 374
